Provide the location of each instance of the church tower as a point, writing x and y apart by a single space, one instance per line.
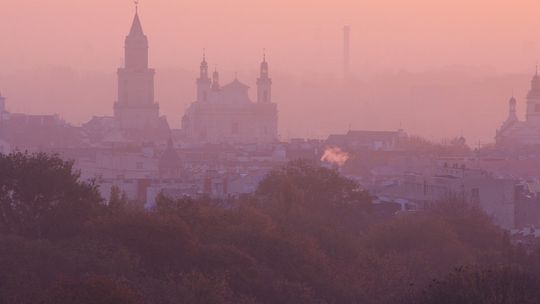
512 117
135 108
533 100
215 81
264 84
203 82
2 103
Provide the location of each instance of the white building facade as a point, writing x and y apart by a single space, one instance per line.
225 114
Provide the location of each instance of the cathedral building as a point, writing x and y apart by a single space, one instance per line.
516 132
135 108
225 114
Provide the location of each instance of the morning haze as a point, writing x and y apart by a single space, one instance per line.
269 152
415 61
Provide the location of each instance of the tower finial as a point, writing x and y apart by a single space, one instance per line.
537 68
204 54
264 55
136 6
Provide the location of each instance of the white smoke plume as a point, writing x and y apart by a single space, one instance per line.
335 156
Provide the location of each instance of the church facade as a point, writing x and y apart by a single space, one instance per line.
225 114
516 132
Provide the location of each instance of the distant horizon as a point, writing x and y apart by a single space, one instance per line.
494 39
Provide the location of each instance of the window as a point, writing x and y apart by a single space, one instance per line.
139 165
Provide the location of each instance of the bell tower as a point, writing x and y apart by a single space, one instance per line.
2 104
264 83
533 99
135 107
203 82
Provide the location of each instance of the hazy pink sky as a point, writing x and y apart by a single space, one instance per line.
304 45
299 35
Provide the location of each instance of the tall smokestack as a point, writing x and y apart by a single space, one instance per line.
346 51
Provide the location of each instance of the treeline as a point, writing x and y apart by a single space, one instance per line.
308 235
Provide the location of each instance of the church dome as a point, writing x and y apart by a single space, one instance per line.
512 101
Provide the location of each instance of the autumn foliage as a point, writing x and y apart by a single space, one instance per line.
308 235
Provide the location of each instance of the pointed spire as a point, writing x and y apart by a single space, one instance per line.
204 67
204 64
136 27
264 67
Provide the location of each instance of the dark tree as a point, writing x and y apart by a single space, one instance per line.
306 188
117 201
91 290
41 196
497 285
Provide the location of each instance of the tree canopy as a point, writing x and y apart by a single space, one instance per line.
308 235
41 195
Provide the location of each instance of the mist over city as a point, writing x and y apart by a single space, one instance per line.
269 152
